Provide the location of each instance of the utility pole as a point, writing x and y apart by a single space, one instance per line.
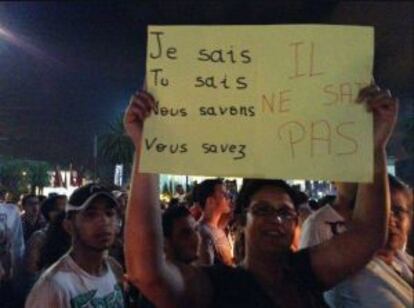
95 157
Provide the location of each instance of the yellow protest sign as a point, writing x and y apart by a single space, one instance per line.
259 101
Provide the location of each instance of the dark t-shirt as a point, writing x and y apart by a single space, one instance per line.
236 287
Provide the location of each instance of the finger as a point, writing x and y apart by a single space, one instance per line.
383 94
367 92
137 113
146 99
146 94
140 99
145 104
369 96
369 88
142 110
145 111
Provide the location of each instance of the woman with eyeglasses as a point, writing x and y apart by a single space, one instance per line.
271 274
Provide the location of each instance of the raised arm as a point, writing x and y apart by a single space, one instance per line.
343 255
146 266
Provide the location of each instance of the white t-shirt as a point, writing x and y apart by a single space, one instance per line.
216 244
11 233
65 284
321 226
378 285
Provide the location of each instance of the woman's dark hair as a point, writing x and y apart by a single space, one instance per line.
252 186
57 242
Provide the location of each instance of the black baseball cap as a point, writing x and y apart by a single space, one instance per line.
83 196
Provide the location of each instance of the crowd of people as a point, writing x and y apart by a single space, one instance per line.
262 245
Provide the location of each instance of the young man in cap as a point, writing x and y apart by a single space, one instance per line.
85 276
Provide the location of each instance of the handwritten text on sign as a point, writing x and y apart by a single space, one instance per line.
259 101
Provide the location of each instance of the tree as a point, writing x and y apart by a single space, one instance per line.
38 174
12 176
115 146
23 176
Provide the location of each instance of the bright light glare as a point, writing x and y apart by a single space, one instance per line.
6 34
21 42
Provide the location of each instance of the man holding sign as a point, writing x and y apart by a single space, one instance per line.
271 274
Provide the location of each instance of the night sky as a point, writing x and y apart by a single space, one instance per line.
70 67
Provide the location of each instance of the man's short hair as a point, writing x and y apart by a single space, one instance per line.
206 189
252 186
49 205
27 197
327 199
169 216
396 184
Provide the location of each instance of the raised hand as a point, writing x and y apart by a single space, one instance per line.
385 110
140 106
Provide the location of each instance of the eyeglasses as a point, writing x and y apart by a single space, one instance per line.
399 211
265 210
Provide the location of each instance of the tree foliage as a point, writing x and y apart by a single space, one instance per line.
115 145
23 176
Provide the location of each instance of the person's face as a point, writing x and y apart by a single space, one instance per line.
59 208
179 189
61 203
95 227
271 221
399 222
221 197
184 240
32 207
